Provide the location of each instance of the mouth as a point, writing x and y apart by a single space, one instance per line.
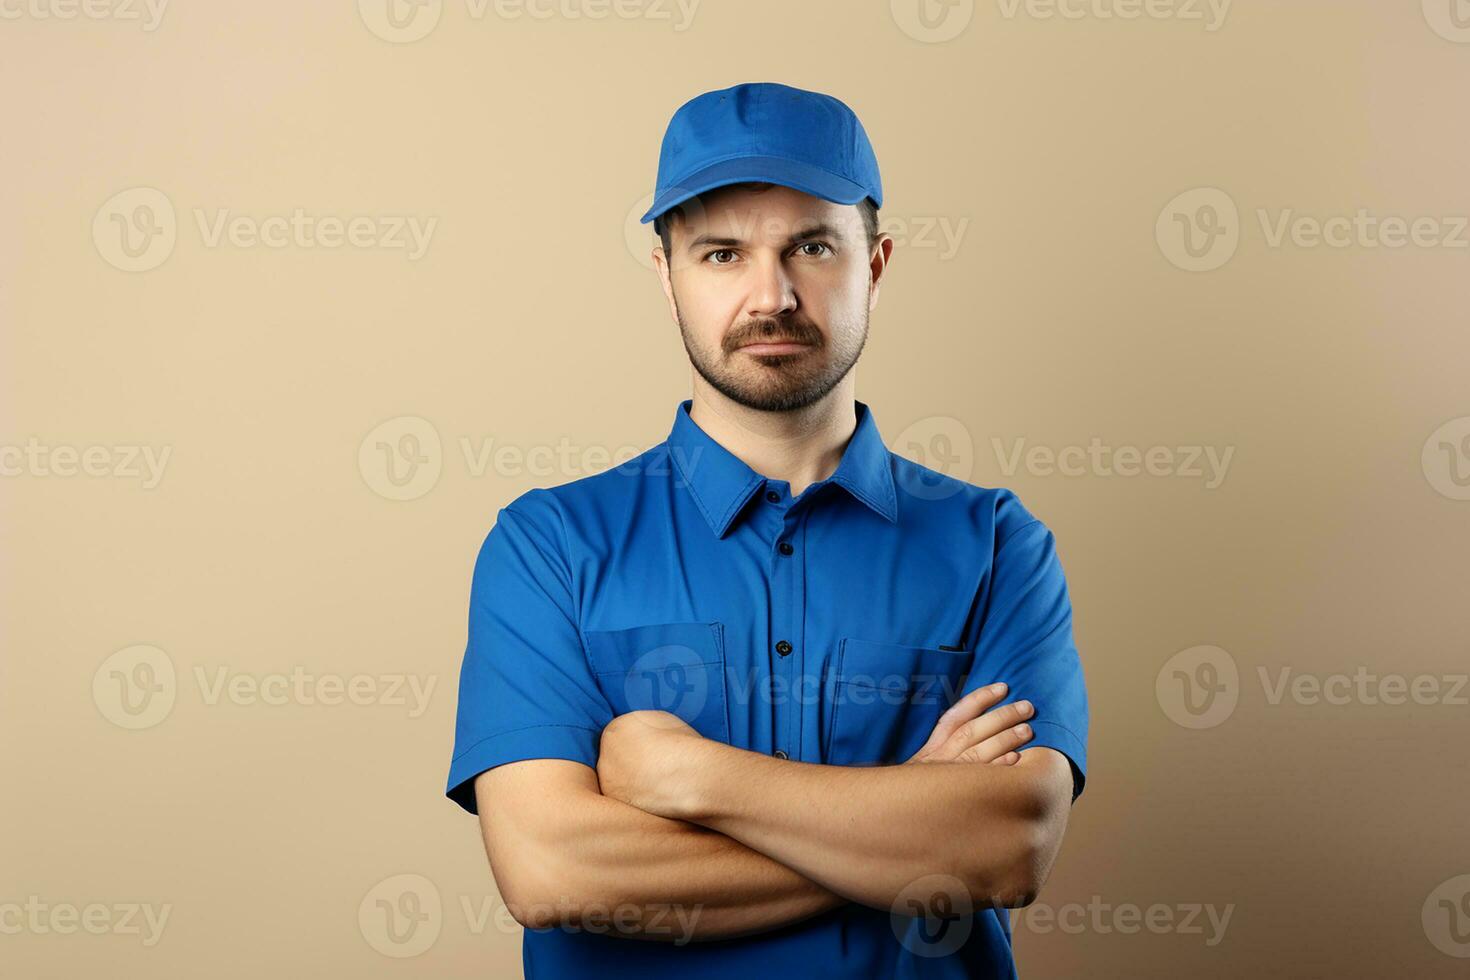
775 347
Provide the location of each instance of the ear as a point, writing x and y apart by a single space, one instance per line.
661 264
877 266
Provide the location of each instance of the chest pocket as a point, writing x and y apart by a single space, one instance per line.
673 667
885 699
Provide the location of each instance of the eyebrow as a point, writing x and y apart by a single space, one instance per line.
820 229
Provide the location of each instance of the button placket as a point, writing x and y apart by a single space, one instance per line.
786 620
789 626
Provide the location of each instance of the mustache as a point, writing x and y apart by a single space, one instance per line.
773 332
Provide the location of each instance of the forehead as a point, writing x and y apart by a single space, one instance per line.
769 215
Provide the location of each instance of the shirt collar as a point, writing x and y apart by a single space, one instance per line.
722 483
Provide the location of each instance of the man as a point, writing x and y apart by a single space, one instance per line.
769 700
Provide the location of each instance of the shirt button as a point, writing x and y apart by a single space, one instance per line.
785 548
780 754
773 496
783 648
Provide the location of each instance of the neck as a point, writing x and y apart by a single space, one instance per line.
801 446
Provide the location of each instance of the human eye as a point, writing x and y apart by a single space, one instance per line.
826 249
719 251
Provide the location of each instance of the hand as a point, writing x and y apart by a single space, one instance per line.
641 757
970 731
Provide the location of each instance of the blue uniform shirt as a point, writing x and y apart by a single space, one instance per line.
833 627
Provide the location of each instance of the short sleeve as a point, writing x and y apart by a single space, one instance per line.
1026 638
526 690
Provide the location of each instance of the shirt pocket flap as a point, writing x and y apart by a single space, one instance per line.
885 699
891 666
673 667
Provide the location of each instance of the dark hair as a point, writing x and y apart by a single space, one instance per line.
865 207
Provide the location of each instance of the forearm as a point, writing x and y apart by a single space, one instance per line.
867 833
601 863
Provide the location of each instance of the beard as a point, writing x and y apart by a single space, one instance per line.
775 382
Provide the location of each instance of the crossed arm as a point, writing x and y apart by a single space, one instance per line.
748 843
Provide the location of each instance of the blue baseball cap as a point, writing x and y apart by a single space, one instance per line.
768 132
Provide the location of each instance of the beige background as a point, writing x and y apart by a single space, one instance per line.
1052 149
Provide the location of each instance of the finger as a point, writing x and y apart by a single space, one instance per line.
970 706
979 731
998 747
1009 759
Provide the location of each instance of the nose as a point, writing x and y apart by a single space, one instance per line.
771 291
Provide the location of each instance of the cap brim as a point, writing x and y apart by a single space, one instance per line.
776 170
